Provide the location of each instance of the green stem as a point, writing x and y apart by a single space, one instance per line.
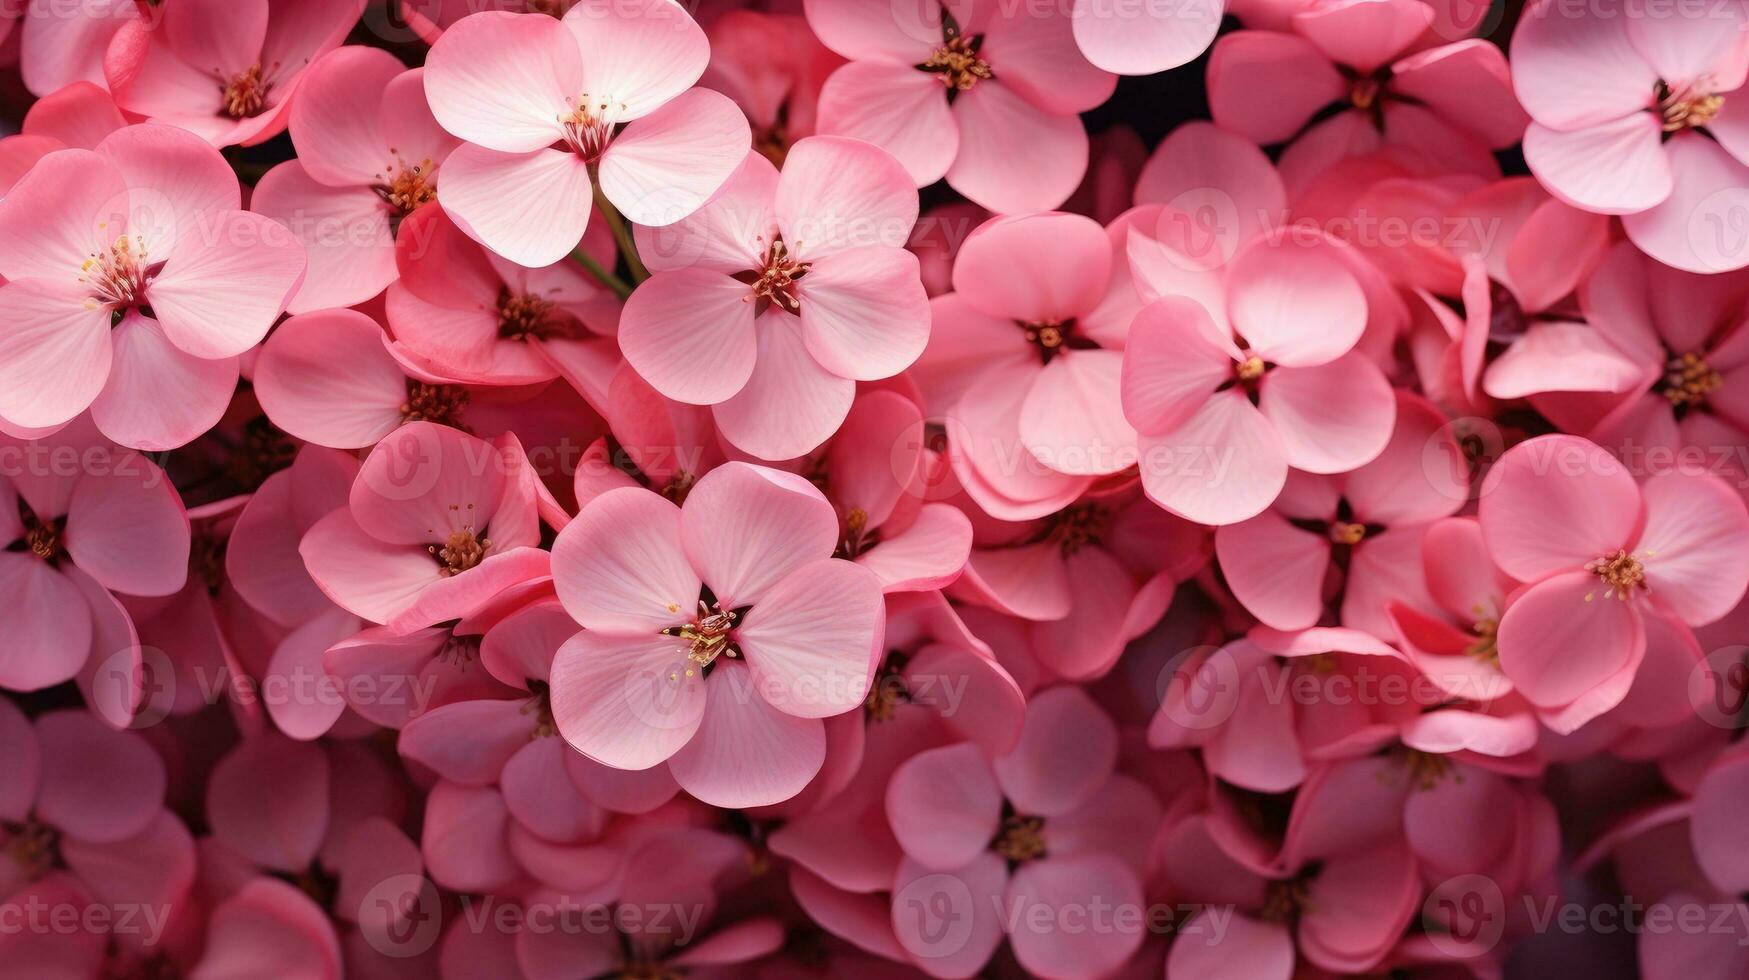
622 236
620 287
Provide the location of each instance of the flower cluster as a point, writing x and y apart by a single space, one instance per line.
544 489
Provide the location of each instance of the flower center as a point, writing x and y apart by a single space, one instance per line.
858 537
1686 108
118 277
1486 646
541 707
1622 572
707 637
463 549
410 188
679 485
522 316
1022 838
774 282
1689 379
1079 525
41 538
1364 92
1283 901
1425 769
206 560
1052 337
36 848
889 690
1250 369
459 651
443 404
245 94
1348 533
957 63
589 127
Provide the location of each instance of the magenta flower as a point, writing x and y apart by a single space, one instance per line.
772 301
988 101
129 268
613 90
717 634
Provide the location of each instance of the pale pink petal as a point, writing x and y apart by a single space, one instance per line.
928 554
1199 164
1365 34
811 639
897 108
59 353
1275 570
876 30
216 298
1068 748
1560 356
361 574
667 164
1420 476
1362 906
944 805
1331 418
1694 542
1637 173
339 141
71 205
1014 156
1692 228
48 634
503 80
1225 464
726 234
1005 270
864 313
791 404
619 566
1555 503
1070 883
1029 581
1467 83
1073 418
950 922
626 702
529 207
637 54
1574 72
1137 40
81 114
468 742
57 50
131 410
326 377
1174 360
344 231
747 528
689 333
464 839
126 528
1295 302
1041 61
746 752
1557 645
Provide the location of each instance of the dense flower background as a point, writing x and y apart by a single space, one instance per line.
550 489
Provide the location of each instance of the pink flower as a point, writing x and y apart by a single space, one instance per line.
1048 824
82 520
130 268
83 821
1253 375
1027 361
228 70
1599 553
1441 109
438 522
1621 109
1360 532
361 170
772 301
1338 895
875 474
717 634
59 47
463 312
613 88
989 101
